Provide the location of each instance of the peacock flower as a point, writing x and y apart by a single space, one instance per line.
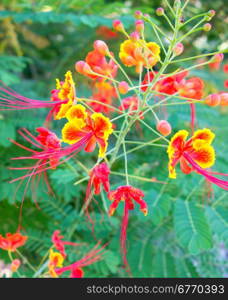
216 61
191 88
56 260
59 244
99 65
194 154
166 85
76 270
106 33
139 54
65 91
84 132
12 241
96 127
132 105
99 176
11 100
103 93
128 194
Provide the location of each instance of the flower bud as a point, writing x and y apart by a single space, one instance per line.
123 87
226 84
217 58
101 47
213 100
164 127
83 68
160 11
207 27
146 17
211 13
134 36
178 49
224 99
118 25
138 14
15 265
139 25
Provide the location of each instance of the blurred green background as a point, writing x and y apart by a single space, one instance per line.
39 42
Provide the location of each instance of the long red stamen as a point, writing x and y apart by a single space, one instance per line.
219 182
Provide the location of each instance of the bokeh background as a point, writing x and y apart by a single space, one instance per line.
39 42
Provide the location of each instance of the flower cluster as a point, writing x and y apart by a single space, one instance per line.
56 259
113 108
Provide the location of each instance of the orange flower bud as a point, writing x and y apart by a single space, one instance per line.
118 25
164 127
178 49
134 36
15 265
224 99
213 100
101 47
139 25
217 58
83 68
160 11
123 87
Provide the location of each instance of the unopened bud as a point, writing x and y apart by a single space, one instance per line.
134 36
178 49
138 14
224 99
139 25
118 25
164 127
211 13
83 68
15 265
146 17
217 58
101 47
123 87
160 11
213 100
207 27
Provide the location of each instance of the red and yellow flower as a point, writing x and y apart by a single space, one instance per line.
128 194
198 147
12 241
82 124
56 260
139 54
99 65
103 93
65 90
195 154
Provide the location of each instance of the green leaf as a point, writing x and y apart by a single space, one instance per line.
164 265
185 268
7 131
218 220
160 208
192 230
